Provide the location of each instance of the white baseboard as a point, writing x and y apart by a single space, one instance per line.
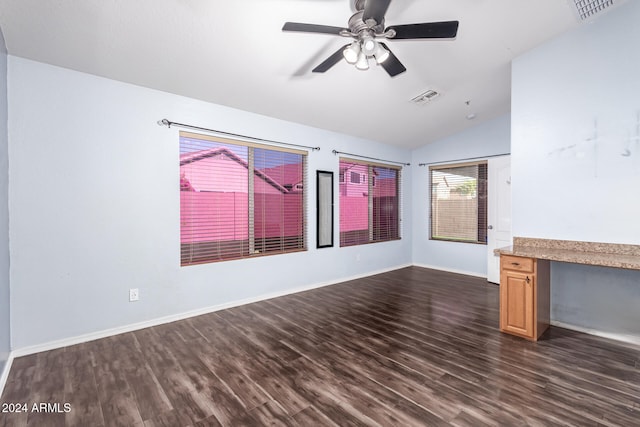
65 342
631 339
451 270
4 375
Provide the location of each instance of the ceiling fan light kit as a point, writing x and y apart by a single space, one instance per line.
363 62
352 52
381 54
365 26
359 52
368 45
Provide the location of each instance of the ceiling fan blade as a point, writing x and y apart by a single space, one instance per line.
392 65
428 30
312 28
330 61
375 9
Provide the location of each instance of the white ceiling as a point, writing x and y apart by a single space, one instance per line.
234 53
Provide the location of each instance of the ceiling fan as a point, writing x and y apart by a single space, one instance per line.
367 25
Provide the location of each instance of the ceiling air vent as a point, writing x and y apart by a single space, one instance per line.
586 10
425 97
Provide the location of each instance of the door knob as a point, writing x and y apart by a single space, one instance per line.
490 227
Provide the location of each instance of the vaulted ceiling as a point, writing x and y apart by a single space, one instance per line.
235 53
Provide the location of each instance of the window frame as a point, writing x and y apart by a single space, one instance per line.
370 181
481 200
252 174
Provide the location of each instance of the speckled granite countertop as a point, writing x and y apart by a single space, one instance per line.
600 254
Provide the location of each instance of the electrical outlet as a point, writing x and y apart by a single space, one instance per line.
133 295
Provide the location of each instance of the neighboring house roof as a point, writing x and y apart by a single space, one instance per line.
288 175
195 156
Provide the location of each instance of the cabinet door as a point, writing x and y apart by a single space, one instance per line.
516 303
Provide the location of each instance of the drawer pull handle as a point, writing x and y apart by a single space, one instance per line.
515 263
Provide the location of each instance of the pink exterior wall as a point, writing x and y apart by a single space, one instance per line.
222 173
354 213
278 215
263 187
216 173
225 217
289 174
218 216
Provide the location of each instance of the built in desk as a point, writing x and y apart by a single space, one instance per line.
525 277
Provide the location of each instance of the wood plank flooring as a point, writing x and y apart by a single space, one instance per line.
410 347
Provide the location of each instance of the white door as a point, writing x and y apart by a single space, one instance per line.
499 213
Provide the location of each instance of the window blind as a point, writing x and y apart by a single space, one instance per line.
459 202
239 199
369 202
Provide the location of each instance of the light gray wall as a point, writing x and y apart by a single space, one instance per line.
5 325
597 299
576 161
487 139
94 199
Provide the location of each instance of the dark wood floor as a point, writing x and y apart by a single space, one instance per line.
409 347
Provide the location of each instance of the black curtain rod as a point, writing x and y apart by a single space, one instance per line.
463 160
371 158
168 123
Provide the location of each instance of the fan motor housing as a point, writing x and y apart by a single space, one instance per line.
356 24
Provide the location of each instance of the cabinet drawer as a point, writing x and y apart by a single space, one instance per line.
516 263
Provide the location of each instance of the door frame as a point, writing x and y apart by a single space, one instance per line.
499 233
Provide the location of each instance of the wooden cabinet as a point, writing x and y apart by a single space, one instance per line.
524 296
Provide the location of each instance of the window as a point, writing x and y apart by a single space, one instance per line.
459 202
369 213
239 199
